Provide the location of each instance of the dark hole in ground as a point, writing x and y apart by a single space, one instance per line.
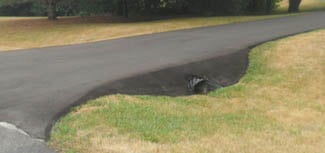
197 84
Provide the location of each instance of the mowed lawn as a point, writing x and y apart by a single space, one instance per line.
278 106
34 32
22 33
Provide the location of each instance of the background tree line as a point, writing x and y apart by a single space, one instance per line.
54 8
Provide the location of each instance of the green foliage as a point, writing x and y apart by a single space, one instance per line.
260 6
22 8
136 7
15 7
161 121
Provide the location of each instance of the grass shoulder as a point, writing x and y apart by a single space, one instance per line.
279 102
23 33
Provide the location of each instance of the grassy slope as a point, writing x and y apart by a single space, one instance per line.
279 106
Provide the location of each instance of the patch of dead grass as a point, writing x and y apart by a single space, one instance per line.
22 33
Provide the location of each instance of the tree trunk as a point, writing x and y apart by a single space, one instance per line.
268 8
122 8
294 5
125 9
51 10
147 5
215 8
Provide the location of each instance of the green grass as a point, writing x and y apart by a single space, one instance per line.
274 102
161 121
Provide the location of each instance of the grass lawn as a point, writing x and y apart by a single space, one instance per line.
34 32
278 106
21 33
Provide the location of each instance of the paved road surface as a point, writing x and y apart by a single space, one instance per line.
37 84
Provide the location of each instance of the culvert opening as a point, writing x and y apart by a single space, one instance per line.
221 71
224 70
197 84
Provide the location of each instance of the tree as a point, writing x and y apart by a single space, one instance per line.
125 8
51 9
294 5
14 4
16 8
268 7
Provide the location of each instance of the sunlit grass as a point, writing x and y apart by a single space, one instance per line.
22 33
278 106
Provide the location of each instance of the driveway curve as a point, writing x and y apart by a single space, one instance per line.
36 85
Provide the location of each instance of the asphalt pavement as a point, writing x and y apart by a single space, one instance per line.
37 85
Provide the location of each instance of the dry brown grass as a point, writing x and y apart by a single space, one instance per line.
270 142
21 33
34 32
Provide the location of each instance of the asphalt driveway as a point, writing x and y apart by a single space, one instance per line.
36 85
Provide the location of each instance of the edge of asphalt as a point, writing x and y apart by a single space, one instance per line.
157 88
15 140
